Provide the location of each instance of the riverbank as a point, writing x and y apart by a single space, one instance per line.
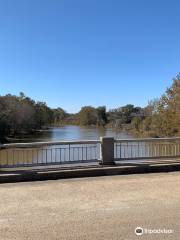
75 132
71 132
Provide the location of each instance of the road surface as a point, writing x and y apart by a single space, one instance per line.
101 208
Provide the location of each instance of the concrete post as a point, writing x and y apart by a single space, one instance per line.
107 150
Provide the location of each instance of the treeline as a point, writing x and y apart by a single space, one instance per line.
161 116
88 116
123 116
21 115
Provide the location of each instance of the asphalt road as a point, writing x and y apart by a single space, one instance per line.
92 208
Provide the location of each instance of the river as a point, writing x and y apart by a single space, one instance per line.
62 153
68 133
57 154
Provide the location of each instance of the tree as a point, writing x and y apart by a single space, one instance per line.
136 122
101 116
163 115
88 116
59 115
21 115
124 115
43 115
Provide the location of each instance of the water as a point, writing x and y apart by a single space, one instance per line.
63 153
68 133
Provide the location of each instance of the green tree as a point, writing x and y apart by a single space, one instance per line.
59 115
163 115
88 116
43 115
101 116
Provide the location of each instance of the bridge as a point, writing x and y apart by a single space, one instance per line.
106 151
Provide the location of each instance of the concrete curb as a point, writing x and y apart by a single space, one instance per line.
41 175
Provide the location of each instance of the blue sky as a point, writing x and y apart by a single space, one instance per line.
89 52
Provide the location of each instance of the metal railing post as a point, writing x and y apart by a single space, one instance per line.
107 150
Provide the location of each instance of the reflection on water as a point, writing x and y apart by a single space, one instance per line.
68 133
